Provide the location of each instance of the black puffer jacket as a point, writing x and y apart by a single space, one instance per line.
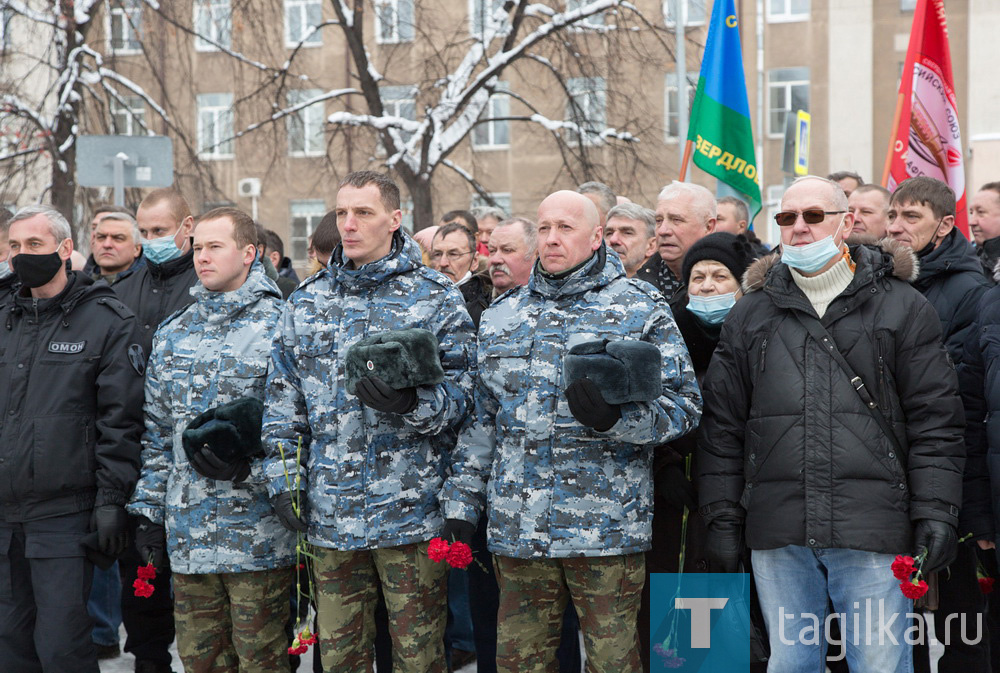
786 436
157 291
980 383
70 401
951 277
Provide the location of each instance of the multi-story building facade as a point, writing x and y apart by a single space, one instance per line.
243 134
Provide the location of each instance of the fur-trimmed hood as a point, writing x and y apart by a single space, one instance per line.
905 264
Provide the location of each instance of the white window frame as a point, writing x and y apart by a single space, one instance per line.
497 107
503 201
406 209
131 25
311 116
670 85
668 6
592 20
132 116
786 14
222 145
907 5
312 210
477 12
588 90
301 8
219 23
393 99
401 30
772 204
787 86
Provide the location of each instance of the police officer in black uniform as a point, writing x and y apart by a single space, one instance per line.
70 420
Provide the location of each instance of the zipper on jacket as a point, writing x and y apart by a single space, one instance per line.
763 353
883 389
34 306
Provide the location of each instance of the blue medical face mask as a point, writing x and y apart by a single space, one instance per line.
811 257
5 270
160 250
713 309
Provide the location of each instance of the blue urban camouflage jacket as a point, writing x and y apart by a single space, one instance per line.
372 479
558 488
213 352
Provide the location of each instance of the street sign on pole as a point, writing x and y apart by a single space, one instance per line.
802 124
124 161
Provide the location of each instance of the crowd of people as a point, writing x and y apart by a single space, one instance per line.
587 396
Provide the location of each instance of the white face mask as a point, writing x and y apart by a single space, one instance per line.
812 257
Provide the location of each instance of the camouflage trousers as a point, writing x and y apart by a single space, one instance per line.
233 621
533 593
416 596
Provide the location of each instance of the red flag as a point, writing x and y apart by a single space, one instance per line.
926 139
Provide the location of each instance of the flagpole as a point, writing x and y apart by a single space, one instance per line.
688 145
892 139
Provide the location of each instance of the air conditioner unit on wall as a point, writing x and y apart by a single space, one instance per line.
248 187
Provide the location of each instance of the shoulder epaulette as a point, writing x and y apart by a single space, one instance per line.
116 305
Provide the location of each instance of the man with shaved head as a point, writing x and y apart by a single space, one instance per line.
570 492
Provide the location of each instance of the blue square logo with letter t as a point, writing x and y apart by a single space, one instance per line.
701 622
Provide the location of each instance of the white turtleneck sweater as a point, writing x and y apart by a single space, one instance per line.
822 289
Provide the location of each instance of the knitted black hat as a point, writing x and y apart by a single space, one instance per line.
732 251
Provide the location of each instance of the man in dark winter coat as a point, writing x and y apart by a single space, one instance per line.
154 293
71 400
922 217
792 454
453 253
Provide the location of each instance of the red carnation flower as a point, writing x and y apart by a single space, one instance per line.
902 567
459 556
986 584
437 551
143 589
913 589
301 649
307 638
146 572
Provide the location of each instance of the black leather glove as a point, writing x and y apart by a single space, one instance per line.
940 539
675 488
724 544
111 524
207 464
588 406
151 541
282 504
456 530
377 394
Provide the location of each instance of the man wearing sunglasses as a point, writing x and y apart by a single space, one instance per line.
922 217
829 352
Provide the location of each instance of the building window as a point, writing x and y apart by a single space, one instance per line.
213 24
305 127
787 91
400 101
125 26
907 5
406 208
483 17
692 12
393 21
593 19
300 18
305 215
671 108
787 10
586 108
215 125
493 134
502 199
128 116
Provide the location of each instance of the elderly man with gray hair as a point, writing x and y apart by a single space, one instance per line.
513 250
69 449
685 212
117 247
631 232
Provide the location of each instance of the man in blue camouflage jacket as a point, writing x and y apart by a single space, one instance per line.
231 557
570 492
370 487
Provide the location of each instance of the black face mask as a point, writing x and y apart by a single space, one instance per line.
36 270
